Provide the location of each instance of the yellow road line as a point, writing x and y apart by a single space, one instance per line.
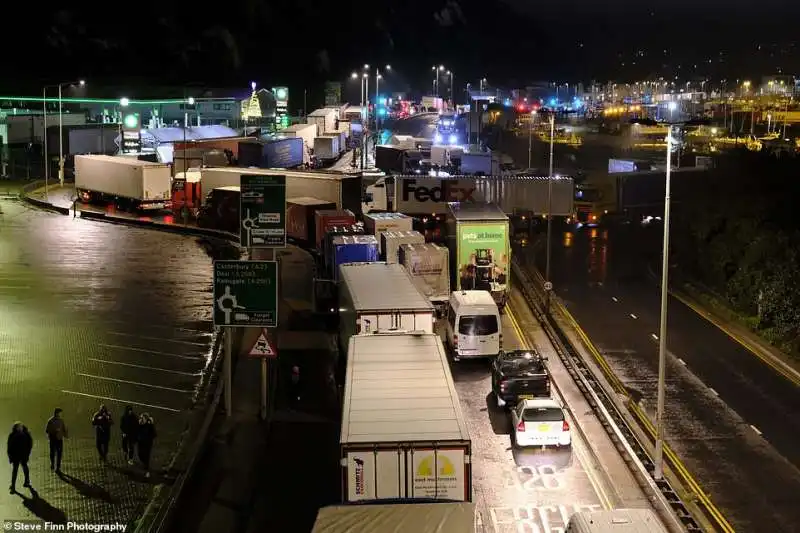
677 464
747 345
598 487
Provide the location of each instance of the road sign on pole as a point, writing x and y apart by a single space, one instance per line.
262 211
246 293
263 347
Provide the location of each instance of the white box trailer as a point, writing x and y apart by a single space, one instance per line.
308 132
430 196
139 184
403 433
341 189
324 118
442 517
392 240
377 223
326 147
377 297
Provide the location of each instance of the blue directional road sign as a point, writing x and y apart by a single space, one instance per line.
246 293
262 211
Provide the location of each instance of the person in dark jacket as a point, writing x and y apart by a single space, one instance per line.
129 425
102 423
146 437
20 444
56 431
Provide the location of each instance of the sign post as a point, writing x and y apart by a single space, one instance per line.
245 295
262 228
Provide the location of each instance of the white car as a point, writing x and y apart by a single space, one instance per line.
540 422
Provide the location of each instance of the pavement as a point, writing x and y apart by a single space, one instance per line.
273 477
94 313
731 418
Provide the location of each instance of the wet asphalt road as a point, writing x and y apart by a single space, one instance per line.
96 313
718 393
517 490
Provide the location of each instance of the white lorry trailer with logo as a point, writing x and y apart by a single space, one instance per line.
403 434
424 196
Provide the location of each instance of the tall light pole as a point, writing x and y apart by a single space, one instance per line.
450 73
378 78
437 70
530 136
483 84
61 131
549 210
662 333
44 137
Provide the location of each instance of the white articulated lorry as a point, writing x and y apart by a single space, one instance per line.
441 517
403 432
128 182
377 297
429 196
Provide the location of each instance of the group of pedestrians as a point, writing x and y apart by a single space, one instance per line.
138 435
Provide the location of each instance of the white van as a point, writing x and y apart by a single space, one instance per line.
616 521
473 325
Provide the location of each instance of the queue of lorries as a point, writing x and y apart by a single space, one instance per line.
403 436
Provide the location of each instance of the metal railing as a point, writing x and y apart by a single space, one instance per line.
611 416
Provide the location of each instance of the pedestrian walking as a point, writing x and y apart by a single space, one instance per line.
56 430
295 385
146 438
20 444
102 423
129 425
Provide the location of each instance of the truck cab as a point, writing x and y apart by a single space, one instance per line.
187 193
221 209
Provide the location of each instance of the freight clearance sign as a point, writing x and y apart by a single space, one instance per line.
262 211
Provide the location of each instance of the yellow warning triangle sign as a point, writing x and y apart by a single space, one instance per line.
263 347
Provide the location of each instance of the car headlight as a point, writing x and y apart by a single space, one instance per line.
453 139
438 138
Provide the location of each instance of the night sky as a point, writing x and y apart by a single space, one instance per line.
510 42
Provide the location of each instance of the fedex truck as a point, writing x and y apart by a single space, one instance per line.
425 196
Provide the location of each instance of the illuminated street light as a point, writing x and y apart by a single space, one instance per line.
81 83
388 67
124 101
191 100
366 66
354 75
253 85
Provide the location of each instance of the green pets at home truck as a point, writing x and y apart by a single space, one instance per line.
480 250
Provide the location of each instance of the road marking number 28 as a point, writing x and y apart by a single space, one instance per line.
535 478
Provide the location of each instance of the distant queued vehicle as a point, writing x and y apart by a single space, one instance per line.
540 422
519 375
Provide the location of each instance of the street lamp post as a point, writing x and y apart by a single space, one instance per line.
530 137
662 333
61 131
450 73
483 84
549 210
437 70
44 136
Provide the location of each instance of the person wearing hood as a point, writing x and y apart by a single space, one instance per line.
147 435
102 423
129 425
19 447
56 431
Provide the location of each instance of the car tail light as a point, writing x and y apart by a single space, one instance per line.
503 385
565 426
455 341
521 426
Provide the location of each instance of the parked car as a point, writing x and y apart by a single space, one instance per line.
519 375
540 422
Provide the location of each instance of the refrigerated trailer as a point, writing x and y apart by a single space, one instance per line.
441 517
127 182
379 297
403 432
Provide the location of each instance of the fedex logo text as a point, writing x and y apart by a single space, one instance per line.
446 191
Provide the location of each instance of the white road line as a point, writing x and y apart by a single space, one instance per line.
654 336
712 391
614 298
634 316
158 339
755 429
127 402
681 361
20 287
137 383
153 352
143 367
